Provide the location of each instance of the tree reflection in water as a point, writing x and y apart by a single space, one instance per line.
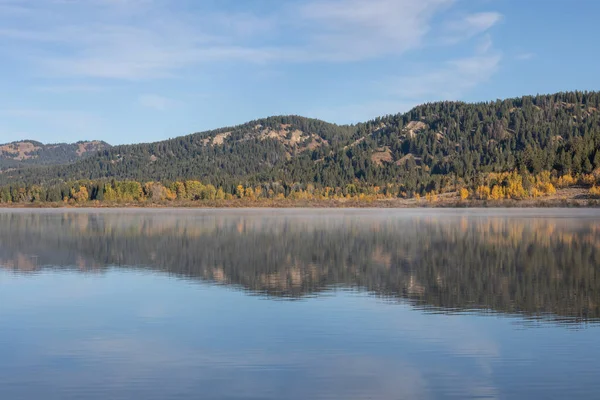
536 265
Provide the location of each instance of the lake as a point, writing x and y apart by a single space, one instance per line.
299 304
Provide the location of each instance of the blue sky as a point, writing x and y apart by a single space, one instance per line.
130 71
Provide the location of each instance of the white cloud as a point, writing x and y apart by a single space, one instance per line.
470 26
86 44
485 44
357 29
147 39
451 81
156 102
482 21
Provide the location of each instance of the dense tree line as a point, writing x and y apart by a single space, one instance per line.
494 186
430 148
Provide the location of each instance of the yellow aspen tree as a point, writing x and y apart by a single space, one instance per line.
170 195
497 192
82 195
239 191
249 193
180 190
483 192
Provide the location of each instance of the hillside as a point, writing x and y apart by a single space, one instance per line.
258 148
29 152
432 147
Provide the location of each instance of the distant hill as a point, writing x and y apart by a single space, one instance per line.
258 148
30 152
428 147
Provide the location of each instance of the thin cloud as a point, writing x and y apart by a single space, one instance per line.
156 102
90 45
481 22
470 25
485 44
350 30
525 56
449 82
101 39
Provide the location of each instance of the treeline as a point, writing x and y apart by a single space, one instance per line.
492 186
441 141
425 150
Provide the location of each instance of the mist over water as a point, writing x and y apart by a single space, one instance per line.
296 304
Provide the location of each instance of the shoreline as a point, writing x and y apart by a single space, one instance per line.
309 204
573 197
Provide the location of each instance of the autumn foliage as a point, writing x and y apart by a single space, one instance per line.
510 185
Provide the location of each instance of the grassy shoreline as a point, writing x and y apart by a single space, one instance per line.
563 198
266 203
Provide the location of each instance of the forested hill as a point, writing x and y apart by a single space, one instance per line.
423 149
259 149
30 152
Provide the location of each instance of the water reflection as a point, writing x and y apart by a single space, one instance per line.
542 264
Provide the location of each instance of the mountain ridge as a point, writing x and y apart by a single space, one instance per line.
427 148
32 152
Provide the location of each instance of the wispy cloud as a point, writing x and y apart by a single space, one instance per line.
356 29
156 102
470 25
485 44
368 27
525 56
83 47
451 81
105 38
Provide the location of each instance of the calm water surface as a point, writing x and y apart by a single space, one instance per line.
299 304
